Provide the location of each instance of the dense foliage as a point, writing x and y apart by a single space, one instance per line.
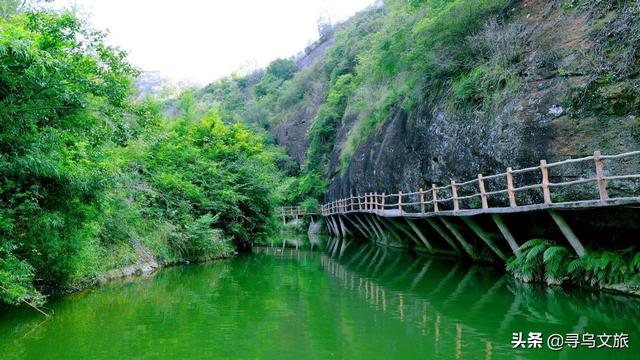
91 180
542 261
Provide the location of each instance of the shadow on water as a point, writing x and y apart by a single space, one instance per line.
329 298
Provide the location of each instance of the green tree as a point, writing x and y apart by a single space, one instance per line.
63 103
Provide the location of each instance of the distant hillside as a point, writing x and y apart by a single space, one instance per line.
419 92
153 83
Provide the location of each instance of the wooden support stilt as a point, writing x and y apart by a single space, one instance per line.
375 229
357 227
327 222
568 233
383 235
390 230
458 235
332 230
443 234
335 226
486 237
423 238
345 230
372 235
506 234
406 232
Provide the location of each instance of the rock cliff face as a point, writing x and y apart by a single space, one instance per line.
557 111
292 131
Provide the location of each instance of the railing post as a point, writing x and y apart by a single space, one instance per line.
375 196
366 202
400 202
383 208
602 181
421 201
510 189
351 201
483 192
545 181
434 194
454 192
359 203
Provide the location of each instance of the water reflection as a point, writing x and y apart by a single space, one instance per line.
342 300
469 311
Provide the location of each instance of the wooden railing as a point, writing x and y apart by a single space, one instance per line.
499 193
293 211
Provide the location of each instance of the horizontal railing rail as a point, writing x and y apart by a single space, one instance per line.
293 211
498 191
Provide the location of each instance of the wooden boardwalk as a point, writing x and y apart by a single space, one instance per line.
293 212
448 201
590 182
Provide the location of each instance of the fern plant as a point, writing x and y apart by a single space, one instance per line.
606 267
541 261
556 259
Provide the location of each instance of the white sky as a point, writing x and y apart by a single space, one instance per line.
204 40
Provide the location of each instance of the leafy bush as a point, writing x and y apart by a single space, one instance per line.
277 73
90 180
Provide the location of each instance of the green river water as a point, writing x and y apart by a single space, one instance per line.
343 301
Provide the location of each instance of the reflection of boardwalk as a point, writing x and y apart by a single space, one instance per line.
470 217
408 307
450 302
